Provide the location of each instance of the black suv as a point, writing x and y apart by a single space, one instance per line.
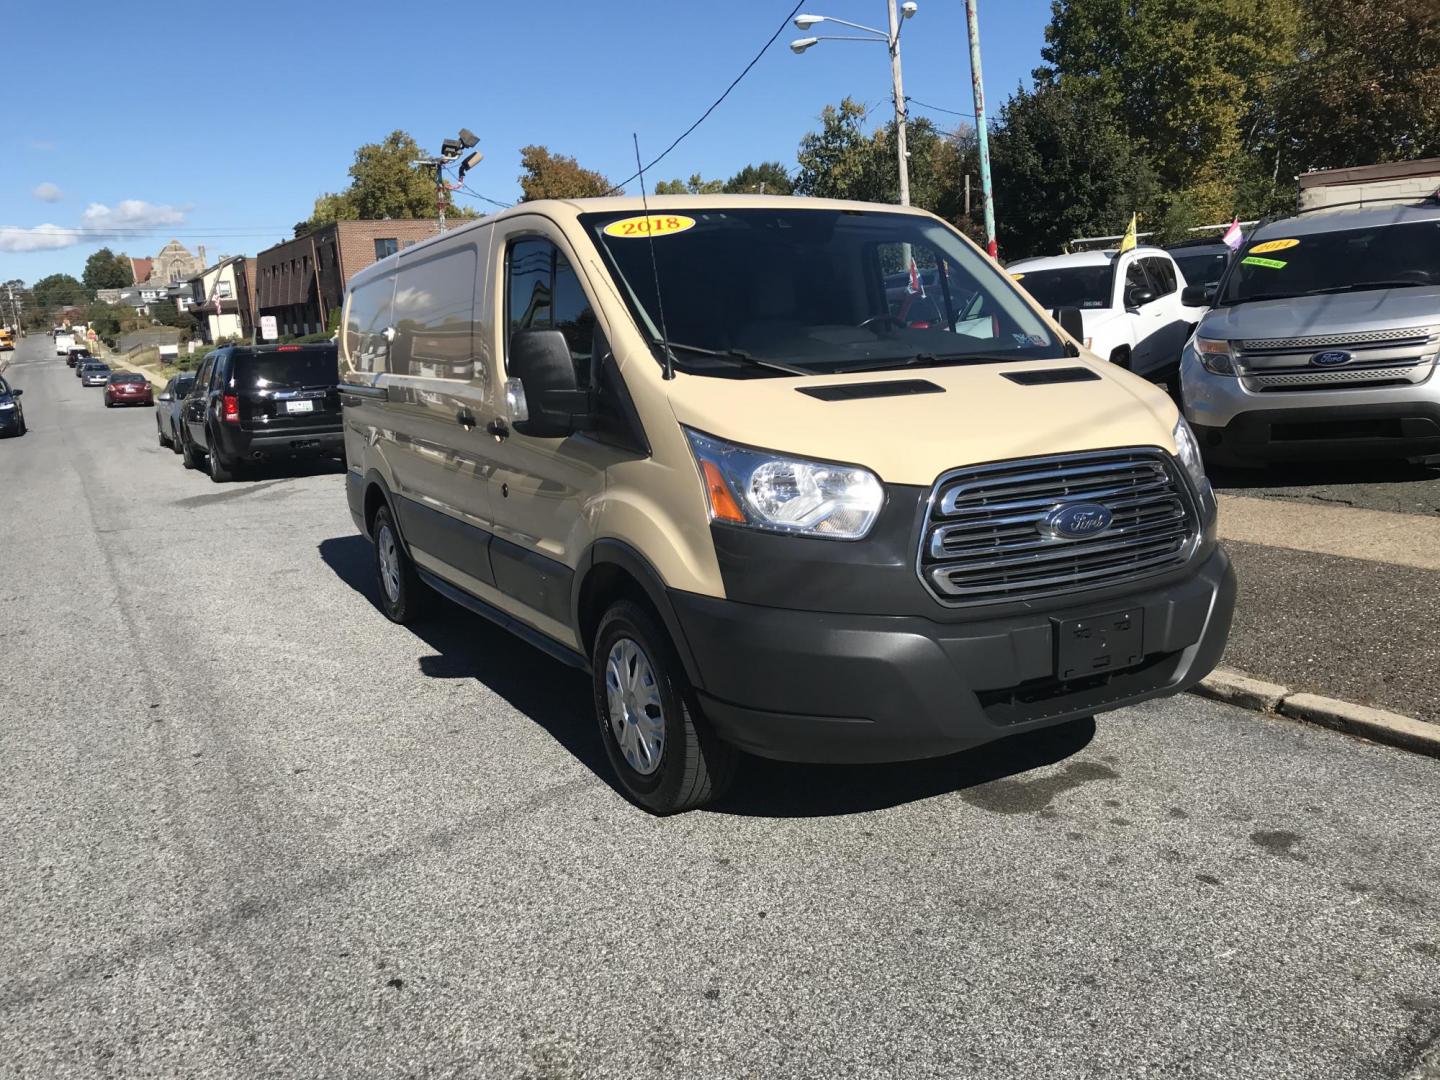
12 416
253 403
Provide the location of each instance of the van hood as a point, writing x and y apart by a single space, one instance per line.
1323 316
977 415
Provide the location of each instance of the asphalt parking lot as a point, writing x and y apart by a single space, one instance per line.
257 830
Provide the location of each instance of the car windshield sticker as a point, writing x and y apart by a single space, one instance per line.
1273 245
654 225
1271 264
1017 277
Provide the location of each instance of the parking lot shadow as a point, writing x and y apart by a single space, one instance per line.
557 698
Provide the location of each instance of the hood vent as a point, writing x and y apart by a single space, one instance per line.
860 391
1046 376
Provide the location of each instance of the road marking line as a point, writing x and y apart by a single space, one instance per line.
1373 535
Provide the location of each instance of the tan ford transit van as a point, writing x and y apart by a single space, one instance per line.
809 479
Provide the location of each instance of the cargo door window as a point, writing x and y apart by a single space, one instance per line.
434 317
367 326
543 292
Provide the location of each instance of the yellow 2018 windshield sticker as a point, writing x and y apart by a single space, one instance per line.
1018 277
1273 245
1270 264
654 225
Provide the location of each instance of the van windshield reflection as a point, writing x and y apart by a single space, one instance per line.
770 292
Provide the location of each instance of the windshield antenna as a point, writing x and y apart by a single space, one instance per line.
654 266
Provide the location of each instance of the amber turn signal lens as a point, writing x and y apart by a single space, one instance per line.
723 506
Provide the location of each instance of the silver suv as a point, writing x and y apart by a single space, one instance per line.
1322 340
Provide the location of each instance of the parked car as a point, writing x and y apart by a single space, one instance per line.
1201 262
167 409
12 415
77 356
94 373
128 388
1020 534
1130 303
1322 340
252 403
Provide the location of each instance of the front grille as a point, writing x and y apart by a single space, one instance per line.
1416 335
1327 378
984 539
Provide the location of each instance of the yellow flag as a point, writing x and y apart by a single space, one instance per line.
1129 241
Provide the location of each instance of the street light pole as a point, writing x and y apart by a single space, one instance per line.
982 138
900 148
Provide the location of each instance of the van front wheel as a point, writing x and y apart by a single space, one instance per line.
663 752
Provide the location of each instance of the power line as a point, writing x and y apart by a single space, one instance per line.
483 198
937 108
706 114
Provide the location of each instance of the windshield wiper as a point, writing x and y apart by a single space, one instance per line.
1359 285
925 359
739 356
1260 296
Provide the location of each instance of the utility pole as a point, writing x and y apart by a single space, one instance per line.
899 88
987 194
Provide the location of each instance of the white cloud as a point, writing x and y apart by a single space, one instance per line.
47 192
39 238
125 221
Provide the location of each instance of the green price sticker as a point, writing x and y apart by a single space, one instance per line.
1270 264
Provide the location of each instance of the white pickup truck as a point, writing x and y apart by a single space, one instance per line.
1129 302
64 342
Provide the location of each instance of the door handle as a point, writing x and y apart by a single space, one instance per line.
466 419
498 428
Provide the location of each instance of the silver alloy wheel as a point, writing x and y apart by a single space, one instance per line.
389 563
637 719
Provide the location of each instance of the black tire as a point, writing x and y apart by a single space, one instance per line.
160 434
23 428
188 454
694 766
404 598
221 471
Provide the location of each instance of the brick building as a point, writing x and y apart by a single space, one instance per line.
303 280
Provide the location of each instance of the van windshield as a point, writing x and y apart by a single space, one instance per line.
1069 286
814 291
1382 256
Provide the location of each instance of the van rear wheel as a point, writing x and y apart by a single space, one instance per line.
403 596
664 754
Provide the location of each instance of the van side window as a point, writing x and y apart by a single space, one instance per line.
434 317
366 346
544 293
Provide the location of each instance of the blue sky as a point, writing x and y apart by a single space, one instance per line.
219 124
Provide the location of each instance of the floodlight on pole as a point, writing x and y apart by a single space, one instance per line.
804 22
799 45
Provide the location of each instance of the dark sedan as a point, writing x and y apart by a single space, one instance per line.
128 388
12 416
167 409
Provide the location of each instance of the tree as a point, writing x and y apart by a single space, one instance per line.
383 183
166 313
555 176
767 178
1063 168
1183 79
840 161
1366 88
106 270
58 290
694 186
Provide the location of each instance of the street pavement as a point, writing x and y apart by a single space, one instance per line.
255 830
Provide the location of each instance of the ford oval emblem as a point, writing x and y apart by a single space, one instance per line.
1075 521
1332 358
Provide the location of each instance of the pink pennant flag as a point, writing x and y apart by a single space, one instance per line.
1233 237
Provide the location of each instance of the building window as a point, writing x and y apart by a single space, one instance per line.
387 246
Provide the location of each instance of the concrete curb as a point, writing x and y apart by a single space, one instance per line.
1377 725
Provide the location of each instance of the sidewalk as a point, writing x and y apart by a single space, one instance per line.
1337 601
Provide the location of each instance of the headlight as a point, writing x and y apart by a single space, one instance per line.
1187 449
1216 356
6 405
762 490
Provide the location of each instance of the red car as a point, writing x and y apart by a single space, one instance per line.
128 388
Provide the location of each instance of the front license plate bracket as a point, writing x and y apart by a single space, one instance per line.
1099 644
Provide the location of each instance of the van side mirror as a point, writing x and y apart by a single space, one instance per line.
555 406
1070 321
1197 296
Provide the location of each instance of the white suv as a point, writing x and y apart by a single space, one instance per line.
1129 303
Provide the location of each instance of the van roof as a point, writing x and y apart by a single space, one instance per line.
569 209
